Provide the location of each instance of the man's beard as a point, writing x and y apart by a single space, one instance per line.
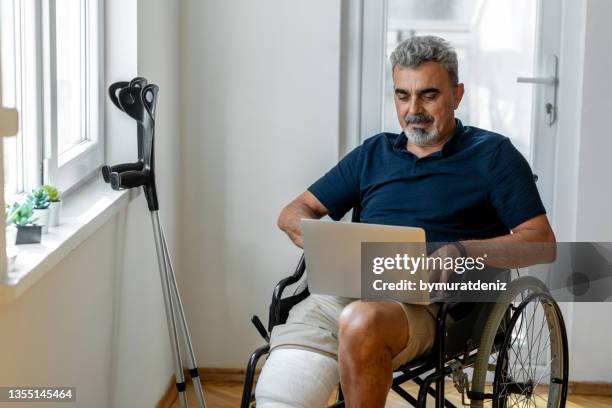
420 136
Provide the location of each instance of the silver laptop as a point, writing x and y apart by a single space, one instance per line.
333 255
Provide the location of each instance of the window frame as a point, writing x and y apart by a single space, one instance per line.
362 39
68 169
374 40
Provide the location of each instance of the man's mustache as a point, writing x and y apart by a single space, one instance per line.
418 119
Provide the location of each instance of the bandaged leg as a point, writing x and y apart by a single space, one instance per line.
296 378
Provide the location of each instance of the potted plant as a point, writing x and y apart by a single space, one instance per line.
55 204
21 215
40 204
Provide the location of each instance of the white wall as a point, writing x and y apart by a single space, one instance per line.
591 324
96 321
259 118
59 331
594 197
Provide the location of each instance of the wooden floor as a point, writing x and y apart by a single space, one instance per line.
227 395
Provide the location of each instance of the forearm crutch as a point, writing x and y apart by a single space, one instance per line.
138 99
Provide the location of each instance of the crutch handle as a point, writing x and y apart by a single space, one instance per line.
128 179
113 90
119 168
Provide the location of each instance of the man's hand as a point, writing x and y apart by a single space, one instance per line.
443 275
306 205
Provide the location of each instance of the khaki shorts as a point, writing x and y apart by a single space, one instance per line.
313 325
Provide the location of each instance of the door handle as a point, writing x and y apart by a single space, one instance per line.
550 106
537 80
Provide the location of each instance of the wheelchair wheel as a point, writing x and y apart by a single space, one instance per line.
524 344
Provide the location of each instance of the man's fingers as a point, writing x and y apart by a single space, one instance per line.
298 241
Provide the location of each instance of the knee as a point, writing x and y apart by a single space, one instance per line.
361 328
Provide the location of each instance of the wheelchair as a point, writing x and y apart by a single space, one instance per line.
518 344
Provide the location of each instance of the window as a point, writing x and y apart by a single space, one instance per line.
51 59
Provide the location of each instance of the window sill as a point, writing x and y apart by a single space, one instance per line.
83 212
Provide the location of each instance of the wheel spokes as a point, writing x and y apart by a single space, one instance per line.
528 357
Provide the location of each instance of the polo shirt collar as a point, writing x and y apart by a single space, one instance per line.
448 148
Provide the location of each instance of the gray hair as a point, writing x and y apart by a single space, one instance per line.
415 51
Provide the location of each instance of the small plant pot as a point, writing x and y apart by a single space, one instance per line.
11 255
54 213
11 249
42 219
11 235
28 234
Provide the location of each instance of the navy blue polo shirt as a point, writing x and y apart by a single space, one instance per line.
478 186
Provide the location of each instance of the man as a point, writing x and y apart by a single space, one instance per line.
461 184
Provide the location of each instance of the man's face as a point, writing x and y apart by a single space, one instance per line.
425 101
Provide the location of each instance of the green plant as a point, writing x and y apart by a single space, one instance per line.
20 214
39 199
52 192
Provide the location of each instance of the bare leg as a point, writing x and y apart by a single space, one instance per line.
371 333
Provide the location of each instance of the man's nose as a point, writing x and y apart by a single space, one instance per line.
414 107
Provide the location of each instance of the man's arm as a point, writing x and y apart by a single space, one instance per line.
306 205
530 243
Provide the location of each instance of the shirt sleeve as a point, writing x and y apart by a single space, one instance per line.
514 194
339 189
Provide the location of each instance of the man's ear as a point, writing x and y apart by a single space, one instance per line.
459 91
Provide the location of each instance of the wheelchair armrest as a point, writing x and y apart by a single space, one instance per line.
275 309
290 280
